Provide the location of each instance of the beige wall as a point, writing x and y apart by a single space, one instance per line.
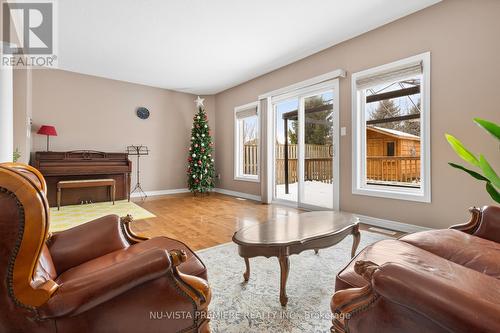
462 37
96 113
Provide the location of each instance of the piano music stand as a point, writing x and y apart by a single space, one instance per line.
138 151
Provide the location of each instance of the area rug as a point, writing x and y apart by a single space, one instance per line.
73 215
254 307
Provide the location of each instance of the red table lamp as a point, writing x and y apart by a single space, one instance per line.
48 131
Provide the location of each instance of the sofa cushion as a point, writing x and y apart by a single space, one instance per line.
192 266
399 252
476 253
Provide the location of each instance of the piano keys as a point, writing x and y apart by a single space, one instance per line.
84 164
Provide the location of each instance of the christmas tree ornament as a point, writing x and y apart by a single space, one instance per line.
199 104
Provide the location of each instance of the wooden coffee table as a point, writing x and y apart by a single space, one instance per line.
289 235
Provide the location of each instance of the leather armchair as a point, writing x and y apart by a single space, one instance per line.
432 281
96 277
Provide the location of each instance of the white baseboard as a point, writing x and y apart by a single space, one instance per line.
185 190
160 192
388 224
238 194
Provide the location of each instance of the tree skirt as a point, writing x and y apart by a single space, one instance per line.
254 307
73 215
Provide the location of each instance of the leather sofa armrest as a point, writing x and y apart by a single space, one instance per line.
83 293
465 301
72 247
484 223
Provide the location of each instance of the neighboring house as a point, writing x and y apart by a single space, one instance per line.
392 156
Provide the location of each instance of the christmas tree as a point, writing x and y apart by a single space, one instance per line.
201 163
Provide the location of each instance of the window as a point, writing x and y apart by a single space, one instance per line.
391 130
246 142
390 148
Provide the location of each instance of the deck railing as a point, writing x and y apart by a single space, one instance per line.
318 165
398 169
318 169
311 151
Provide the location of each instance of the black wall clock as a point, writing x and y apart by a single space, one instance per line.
142 112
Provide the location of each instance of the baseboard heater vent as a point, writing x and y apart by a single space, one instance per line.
382 231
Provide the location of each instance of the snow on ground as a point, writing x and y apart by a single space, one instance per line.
315 193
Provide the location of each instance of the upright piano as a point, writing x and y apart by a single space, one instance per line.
84 164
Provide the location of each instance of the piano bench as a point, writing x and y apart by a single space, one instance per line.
110 183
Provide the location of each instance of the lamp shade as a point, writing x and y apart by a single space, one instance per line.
47 130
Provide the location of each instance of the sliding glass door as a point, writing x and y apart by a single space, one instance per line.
317 170
305 132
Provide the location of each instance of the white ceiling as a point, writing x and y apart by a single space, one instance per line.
204 47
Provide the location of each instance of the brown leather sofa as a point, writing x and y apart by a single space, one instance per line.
431 281
97 277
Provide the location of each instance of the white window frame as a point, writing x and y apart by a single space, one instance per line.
237 152
359 185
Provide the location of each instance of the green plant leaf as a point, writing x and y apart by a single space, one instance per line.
489 126
489 172
461 151
493 192
474 174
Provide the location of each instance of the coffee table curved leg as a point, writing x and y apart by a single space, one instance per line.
246 275
356 237
285 268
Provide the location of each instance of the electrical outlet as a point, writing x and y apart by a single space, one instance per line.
343 131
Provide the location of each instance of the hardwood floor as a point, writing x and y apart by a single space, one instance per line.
204 221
